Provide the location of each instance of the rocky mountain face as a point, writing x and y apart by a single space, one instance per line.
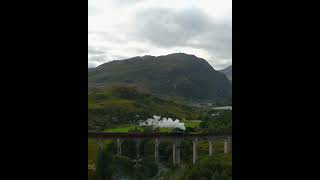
175 75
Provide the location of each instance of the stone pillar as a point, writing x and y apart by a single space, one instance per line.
156 151
210 147
138 148
178 151
100 144
195 142
229 143
119 147
226 145
174 153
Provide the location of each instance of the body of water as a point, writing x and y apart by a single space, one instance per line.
223 108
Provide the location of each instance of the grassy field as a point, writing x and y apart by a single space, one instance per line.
123 128
166 130
126 128
193 124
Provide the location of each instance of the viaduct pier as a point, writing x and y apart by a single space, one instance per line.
175 138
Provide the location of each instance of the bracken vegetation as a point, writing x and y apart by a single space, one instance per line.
114 106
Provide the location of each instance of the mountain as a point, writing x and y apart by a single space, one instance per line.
228 72
175 75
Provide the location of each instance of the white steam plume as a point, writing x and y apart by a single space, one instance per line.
156 121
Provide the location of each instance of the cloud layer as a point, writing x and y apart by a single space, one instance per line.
127 28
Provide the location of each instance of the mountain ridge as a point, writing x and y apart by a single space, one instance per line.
228 72
173 75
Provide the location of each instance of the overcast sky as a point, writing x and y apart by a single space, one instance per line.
119 29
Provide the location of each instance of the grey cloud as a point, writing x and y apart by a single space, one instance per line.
95 59
167 27
109 37
98 58
93 10
164 28
95 51
185 28
92 64
221 64
119 57
122 3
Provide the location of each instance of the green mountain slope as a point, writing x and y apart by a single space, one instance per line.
125 105
174 75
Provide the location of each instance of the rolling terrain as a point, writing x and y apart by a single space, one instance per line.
116 106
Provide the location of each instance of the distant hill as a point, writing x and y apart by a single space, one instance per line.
228 72
90 70
175 75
